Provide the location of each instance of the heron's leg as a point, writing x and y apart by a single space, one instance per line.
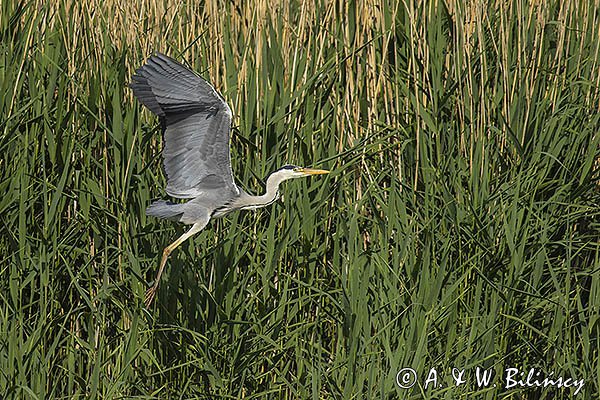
197 227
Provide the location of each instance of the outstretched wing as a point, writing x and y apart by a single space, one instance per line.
196 123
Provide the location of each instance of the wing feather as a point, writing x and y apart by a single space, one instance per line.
196 125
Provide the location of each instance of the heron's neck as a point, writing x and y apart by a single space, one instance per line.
271 194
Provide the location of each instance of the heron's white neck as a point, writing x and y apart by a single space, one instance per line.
271 194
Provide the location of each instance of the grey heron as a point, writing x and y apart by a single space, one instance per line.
196 123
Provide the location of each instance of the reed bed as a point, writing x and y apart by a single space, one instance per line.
459 227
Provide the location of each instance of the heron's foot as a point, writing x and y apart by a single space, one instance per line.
150 294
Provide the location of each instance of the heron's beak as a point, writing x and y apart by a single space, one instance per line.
310 171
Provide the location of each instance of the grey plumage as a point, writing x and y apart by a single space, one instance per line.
166 210
196 123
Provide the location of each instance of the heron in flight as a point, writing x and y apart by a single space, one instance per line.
196 122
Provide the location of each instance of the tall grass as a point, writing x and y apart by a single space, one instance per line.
459 228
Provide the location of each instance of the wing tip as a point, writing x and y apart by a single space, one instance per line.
143 92
162 77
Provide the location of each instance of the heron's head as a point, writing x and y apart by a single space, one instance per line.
294 171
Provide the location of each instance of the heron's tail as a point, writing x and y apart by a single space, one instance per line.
165 209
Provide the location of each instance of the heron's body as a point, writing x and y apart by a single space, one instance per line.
196 123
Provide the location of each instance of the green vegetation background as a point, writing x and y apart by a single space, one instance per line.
459 228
